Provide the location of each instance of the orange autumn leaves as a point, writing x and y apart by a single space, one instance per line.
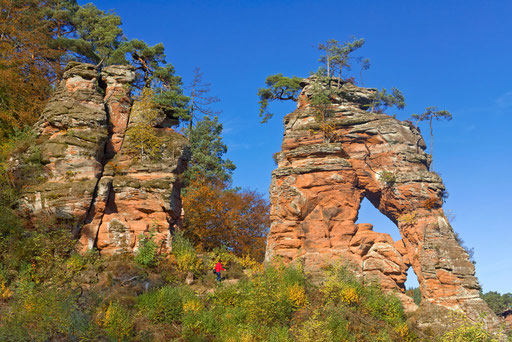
216 217
28 64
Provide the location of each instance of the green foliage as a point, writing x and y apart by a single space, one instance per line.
153 71
100 31
382 100
467 331
498 303
164 304
147 251
207 152
387 177
279 88
185 254
337 56
117 321
42 314
430 114
415 294
141 133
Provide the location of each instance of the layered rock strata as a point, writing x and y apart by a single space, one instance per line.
93 175
335 156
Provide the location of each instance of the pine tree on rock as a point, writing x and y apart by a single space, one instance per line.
279 88
430 114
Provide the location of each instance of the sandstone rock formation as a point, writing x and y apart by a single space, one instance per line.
328 164
92 175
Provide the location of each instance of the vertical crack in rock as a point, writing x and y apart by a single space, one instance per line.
115 82
138 193
316 193
93 175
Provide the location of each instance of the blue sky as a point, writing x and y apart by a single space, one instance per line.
450 54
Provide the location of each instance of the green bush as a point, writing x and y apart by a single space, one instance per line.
147 251
164 304
185 254
41 314
469 332
117 321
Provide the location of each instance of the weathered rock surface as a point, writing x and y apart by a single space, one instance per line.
93 175
327 166
72 135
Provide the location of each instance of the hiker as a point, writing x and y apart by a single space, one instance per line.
217 270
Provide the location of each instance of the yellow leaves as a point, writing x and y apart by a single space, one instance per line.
117 321
247 262
297 295
192 306
404 333
467 331
5 293
188 262
409 218
349 295
216 216
141 133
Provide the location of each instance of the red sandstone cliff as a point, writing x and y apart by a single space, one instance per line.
328 164
92 175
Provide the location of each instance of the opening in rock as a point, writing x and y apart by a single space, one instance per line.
412 286
369 214
412 280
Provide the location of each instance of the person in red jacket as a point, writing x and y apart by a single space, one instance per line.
218 268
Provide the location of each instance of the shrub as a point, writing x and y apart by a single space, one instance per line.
387 177
185 254
117 321
41 314
147 251
166 304
469 332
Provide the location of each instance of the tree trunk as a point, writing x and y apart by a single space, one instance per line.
191 114
328 66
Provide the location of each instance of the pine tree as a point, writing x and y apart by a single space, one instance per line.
208 151
154 72
382 99
280 88
430 114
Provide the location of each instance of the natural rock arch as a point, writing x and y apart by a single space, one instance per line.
317 189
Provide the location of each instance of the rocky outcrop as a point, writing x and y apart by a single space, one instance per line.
93 175
332 158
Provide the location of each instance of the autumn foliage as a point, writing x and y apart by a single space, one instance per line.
216 216
27 64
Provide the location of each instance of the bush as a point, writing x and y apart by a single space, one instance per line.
41 314
387 177
117 321
185 254
469 332
147 251
165 304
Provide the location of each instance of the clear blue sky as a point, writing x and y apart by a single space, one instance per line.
451 54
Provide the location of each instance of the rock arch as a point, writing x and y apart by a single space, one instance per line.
320 181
